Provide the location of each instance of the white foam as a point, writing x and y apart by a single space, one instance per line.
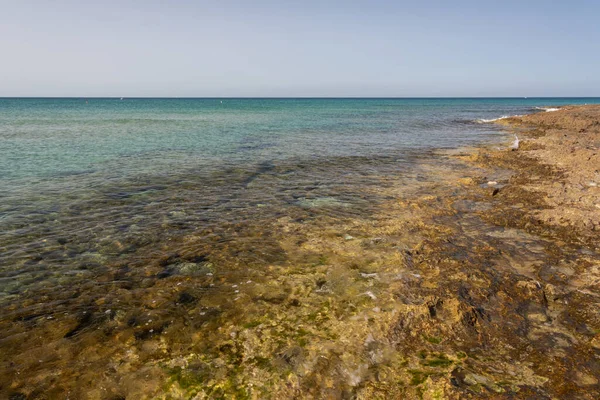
547 109
485 121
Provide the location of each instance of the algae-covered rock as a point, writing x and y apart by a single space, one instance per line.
190 268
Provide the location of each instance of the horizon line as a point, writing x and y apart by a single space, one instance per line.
300 97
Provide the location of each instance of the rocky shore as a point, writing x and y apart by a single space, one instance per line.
568 141
519 290
478 277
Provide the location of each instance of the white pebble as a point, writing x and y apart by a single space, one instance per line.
364 275
371 295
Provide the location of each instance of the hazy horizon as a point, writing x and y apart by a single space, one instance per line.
273 49
301 97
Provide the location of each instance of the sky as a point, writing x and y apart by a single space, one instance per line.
308 48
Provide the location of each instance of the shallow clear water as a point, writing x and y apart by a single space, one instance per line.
108 205
113 139
87 170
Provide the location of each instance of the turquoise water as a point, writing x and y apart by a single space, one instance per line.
139 234
88 171
53 138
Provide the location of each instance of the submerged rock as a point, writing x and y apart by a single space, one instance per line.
187 268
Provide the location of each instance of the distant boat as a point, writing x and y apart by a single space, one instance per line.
121 98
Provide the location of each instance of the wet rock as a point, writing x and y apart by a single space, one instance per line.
537 317
586 379
186 268
271 293
321 282
85 320
475 379
165 273
147 332
290 357
185 298
470 206
295 303
369 276
595 342
461 377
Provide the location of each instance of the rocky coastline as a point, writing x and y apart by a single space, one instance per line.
479 277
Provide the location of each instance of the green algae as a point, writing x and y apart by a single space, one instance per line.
433 339
189 378
301 330
438 360
419 376
252 324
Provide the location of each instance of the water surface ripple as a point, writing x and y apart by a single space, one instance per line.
106 204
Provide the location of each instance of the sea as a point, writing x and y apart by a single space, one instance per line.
94 170
108 201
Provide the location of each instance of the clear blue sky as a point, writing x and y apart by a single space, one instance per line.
300 48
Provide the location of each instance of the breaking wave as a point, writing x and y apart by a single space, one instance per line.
485 121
